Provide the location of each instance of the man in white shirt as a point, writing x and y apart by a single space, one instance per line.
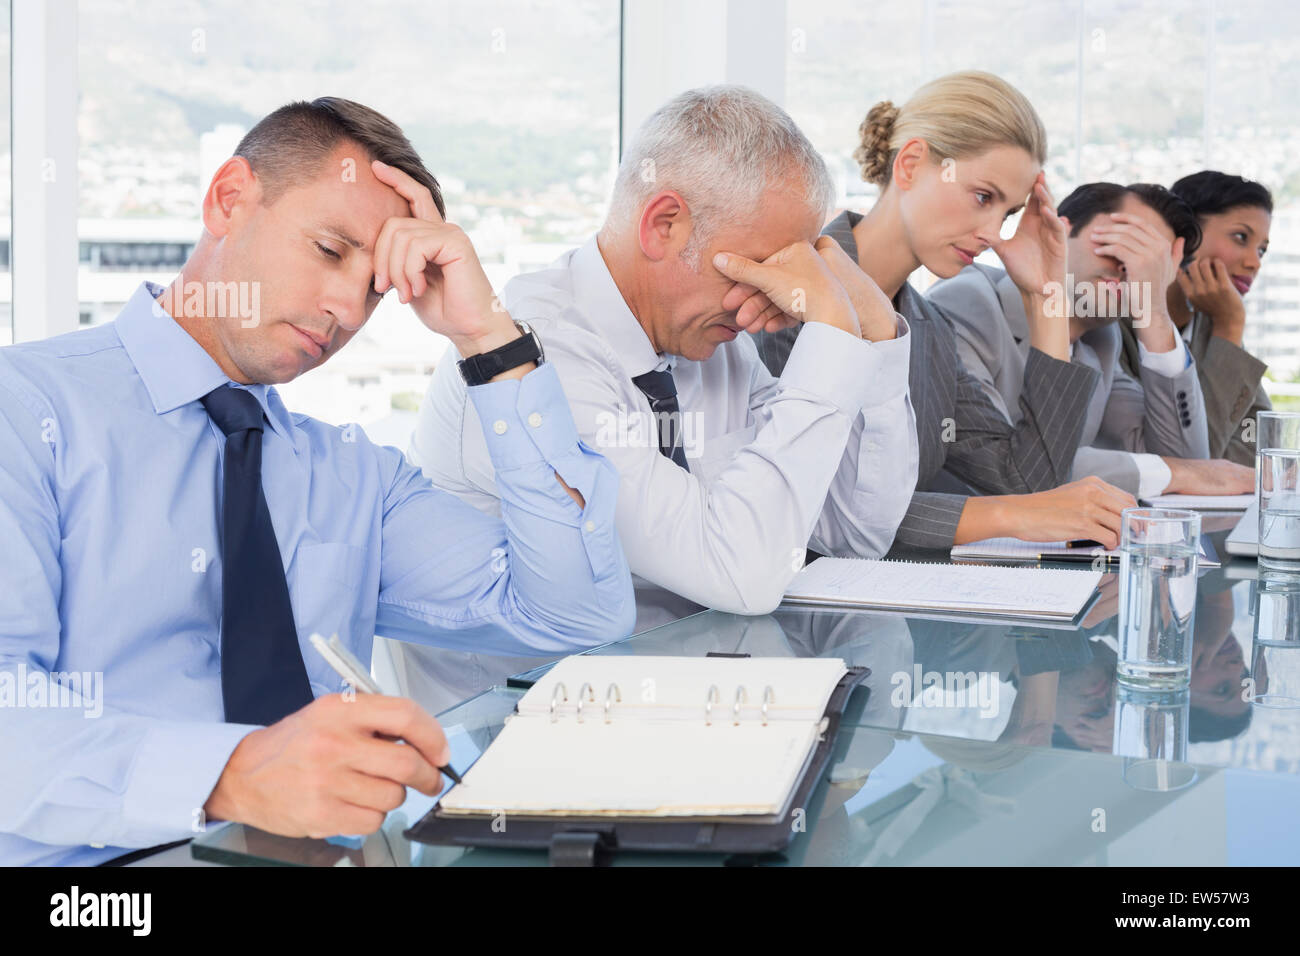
1147 433
726 473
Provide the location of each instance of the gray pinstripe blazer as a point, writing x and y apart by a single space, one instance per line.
1152 413
965 442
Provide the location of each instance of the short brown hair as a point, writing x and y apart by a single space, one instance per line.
287 147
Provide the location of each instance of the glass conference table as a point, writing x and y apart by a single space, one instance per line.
972 742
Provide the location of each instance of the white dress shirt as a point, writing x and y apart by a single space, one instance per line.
824 457
1153 474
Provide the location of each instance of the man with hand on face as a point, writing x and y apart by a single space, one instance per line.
1146 433
727 474
170 525
1207 304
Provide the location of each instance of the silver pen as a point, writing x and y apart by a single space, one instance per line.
347 666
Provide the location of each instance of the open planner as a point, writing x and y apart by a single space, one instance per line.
614 741
1030 593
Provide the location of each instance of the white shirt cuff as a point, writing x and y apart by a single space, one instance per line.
1168 363
849 372
1153 475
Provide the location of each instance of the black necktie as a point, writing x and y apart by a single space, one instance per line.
661 390
262 674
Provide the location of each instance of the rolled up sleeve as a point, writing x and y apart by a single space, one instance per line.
545 577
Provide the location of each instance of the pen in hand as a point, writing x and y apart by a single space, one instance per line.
347 666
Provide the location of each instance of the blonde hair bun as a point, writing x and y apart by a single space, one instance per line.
960 114
875 133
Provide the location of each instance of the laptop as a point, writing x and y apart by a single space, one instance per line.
1244 539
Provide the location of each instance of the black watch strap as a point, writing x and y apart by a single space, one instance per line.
482 368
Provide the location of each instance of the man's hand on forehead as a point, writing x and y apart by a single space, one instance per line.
755 312
432 265
416 195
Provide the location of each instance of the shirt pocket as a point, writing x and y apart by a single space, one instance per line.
326 588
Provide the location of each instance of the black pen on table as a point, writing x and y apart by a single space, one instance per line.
347 666
1086 548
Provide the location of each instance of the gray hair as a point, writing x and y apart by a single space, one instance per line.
721 148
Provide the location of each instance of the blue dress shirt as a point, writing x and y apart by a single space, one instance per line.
111 720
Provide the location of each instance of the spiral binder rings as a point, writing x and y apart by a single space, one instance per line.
560 695
681 754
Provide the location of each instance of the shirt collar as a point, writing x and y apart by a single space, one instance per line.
596 296
175 369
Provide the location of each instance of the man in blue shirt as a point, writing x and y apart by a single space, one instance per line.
172 535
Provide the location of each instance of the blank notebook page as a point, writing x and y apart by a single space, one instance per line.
657 749
636 768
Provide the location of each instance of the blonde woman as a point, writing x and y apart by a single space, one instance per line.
959 157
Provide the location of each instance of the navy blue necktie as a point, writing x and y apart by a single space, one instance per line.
263 677
661 390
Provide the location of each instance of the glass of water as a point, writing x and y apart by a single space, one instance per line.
1277 483
1151 735
1275 657
1157 596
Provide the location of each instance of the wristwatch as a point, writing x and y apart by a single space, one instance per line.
482 368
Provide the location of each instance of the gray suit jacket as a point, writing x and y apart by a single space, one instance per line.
1155 414
966 441
1231 381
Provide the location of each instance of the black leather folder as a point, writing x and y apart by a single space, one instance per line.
587 841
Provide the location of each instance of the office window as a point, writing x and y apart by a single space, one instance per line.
1128 89
6 213
1144 70
514 107
844 57
1047 75
1255 131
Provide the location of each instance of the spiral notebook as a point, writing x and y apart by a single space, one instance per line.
1032 593
654 737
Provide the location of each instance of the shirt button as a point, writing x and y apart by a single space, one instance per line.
535 419
499 427
590 526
